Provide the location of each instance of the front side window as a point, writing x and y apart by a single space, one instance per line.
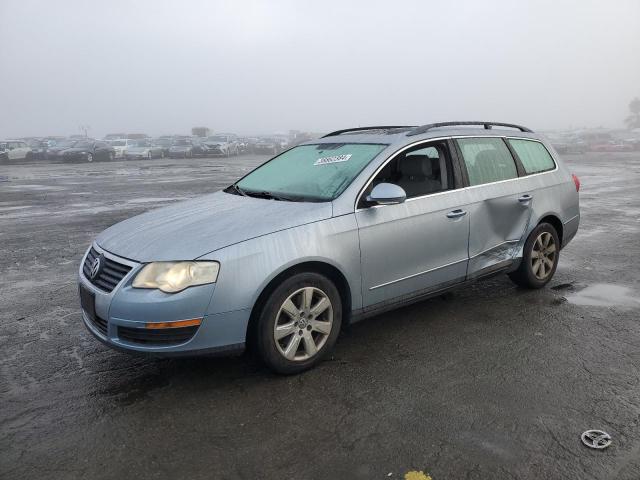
487 160
533 155
420 171
310 172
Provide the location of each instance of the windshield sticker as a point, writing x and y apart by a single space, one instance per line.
334 159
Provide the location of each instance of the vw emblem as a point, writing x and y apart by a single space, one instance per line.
596 439
95 268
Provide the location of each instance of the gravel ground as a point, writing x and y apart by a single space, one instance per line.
487 382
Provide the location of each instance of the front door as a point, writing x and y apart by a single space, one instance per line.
419 245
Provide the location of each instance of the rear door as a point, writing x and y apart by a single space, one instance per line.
499 209
419 245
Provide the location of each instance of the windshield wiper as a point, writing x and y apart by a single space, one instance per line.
271 196
238 191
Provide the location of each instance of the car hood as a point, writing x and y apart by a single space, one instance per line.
190 229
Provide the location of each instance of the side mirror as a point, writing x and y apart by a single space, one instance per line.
387 194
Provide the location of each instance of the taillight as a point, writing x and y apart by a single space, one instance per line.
576 180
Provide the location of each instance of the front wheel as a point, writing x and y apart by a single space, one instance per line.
539 259
89 157
299 323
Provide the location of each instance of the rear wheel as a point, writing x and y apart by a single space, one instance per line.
299 323
540 258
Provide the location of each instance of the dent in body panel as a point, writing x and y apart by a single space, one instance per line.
498 221
247 268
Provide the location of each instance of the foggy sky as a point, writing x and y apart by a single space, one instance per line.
264 66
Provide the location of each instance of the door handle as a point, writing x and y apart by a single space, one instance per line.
525 198
456 213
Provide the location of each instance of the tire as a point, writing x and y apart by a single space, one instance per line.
149 156
89 157
540 258
112 157
299 336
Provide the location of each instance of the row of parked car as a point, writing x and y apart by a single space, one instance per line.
87 149
603 142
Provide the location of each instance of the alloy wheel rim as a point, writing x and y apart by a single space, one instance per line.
303 324
543 255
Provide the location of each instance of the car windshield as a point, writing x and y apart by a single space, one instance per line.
310 172
142 144
163 141
181 143
83 145
119 143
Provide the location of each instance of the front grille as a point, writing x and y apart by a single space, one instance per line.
109 274
149 336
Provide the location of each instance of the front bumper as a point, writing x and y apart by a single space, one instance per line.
119 318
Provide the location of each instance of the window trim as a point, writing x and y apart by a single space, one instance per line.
515 155
457 160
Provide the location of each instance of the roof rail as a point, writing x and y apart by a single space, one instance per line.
364 129
487 126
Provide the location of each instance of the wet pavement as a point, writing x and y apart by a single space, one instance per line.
487 382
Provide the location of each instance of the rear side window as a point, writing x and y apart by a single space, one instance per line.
487 160
534 156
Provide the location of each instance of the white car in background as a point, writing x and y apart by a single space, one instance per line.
121 145
221 144
14 150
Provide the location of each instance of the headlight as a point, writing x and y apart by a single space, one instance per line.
171 277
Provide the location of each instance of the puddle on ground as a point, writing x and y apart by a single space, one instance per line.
605 295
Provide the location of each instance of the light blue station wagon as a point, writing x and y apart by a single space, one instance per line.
328 232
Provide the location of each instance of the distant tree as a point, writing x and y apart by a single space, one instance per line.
633 120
